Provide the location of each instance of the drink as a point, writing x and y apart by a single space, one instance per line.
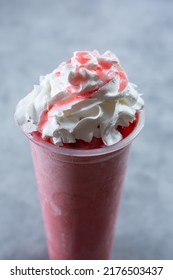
80 193
80 183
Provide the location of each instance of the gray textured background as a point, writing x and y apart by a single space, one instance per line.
35 36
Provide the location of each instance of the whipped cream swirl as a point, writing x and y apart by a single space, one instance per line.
85 97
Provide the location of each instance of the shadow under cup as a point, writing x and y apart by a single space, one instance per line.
80 193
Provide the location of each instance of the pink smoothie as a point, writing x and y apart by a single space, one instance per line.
79 197
79 201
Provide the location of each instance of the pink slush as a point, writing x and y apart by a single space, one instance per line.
80 193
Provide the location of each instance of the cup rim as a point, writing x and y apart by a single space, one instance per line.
93 152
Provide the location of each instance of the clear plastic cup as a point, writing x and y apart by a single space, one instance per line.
80 193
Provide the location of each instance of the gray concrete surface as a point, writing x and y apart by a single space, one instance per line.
35 36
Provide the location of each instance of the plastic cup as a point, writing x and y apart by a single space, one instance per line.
80 192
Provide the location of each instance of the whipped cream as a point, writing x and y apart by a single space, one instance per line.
85 97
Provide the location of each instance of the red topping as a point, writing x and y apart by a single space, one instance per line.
43 120
105 64
123 78
125 131
58 73
69 61
123 81
82 58
82 95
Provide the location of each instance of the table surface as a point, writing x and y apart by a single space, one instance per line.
35 37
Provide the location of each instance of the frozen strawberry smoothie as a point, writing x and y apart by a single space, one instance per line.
81 121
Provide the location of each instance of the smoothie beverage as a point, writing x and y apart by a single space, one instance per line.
81 122
79 201
79 197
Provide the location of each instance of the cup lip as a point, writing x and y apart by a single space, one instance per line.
93 152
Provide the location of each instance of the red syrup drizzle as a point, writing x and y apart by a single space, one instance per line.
102 71
95 143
